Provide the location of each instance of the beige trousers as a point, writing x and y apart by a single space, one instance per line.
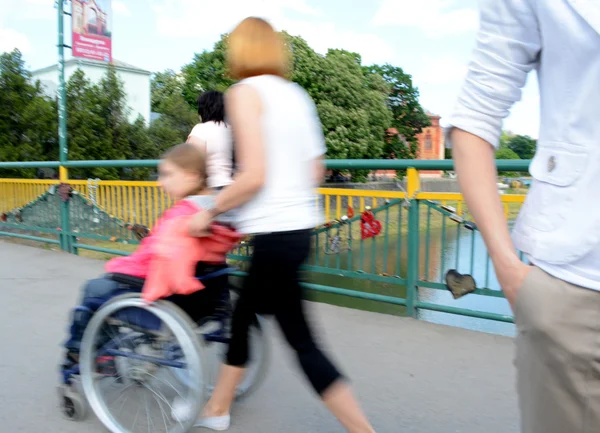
557 356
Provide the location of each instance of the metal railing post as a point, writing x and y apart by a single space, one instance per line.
412 274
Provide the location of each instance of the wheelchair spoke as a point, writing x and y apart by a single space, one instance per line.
138 366
149 420
136 416
165 382
162 412
162 398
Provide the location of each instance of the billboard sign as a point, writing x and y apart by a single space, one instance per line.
92 34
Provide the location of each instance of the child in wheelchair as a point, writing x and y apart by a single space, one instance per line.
182 174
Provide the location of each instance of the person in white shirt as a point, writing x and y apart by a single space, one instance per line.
213 136
280 144
556 300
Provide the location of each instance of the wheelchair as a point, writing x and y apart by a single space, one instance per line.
157 355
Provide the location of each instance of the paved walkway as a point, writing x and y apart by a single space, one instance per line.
410 376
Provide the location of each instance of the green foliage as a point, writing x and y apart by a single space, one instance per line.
28 122
173 126
506 154
357 104
206 72
397 147
96 123
408 117
523 145
164 85
140 146
514 146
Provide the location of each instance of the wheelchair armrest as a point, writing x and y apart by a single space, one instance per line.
127 279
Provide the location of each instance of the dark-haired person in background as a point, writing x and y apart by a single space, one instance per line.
213 136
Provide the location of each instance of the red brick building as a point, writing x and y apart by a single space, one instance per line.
431 146
431 143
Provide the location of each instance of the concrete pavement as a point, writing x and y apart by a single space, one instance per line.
411 376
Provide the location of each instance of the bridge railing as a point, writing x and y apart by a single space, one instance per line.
422 235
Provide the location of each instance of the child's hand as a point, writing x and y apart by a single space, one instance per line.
199 225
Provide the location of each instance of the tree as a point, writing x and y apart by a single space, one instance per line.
140 146
98 127
353 109
506 154
87 134
352 102
28 121
177 117
173 126
408 117
164 85
307 65
522 145
397 147
206 72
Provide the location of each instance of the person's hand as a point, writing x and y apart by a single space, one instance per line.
200 224
511 277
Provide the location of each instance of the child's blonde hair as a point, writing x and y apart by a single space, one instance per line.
191 159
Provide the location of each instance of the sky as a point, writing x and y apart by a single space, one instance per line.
431 40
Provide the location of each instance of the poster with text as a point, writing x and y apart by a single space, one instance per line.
92 37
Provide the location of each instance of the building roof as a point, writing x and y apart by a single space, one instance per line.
118 64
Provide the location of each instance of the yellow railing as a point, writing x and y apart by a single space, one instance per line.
133 202
143 202
16 193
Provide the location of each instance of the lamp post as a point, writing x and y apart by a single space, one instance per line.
63 150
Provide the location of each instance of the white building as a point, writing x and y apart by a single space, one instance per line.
136 82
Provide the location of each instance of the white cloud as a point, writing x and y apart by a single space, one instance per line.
436 18
525 115
321 37
180 19
11 39
184 18
12 10
121 8
441 70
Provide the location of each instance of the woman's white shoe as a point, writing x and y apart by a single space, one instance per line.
217 423
181 410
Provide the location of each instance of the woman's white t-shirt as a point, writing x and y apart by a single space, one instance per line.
293 139
218 139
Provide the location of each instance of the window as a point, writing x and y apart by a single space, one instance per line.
428 145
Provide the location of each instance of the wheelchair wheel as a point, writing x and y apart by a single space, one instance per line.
129 351
216 349
256 368
73 404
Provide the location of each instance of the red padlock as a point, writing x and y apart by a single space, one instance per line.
369 226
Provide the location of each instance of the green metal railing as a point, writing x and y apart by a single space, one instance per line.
423 234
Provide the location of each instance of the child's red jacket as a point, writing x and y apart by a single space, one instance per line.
167 258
